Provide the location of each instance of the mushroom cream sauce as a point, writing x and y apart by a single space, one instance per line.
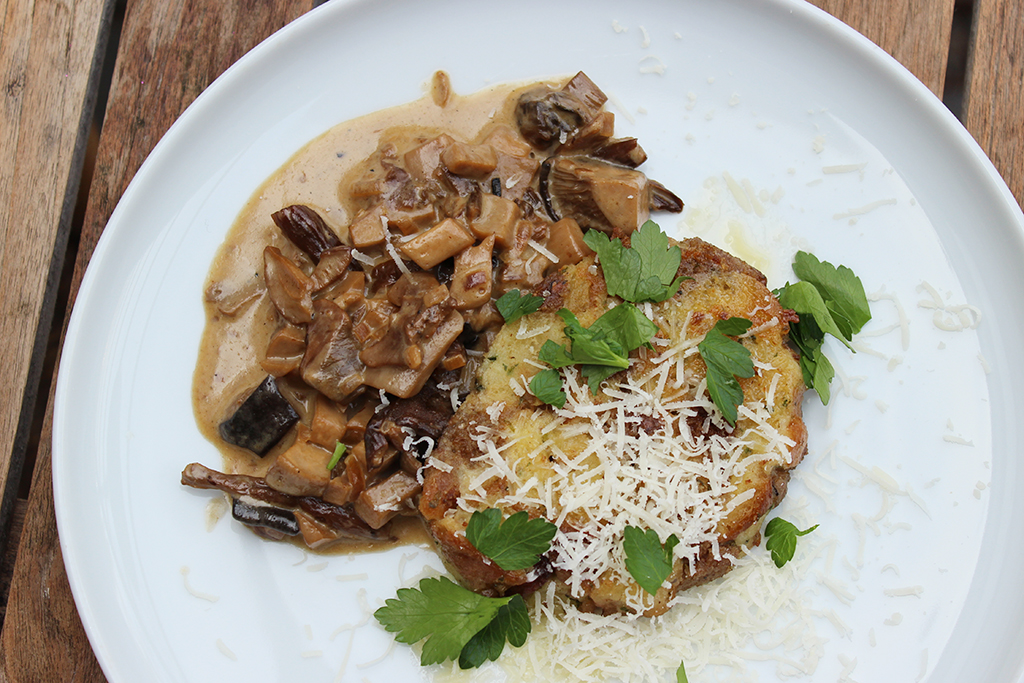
240 321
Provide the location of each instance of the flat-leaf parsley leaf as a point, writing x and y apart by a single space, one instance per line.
511 623
645 270
782 537
441 611
516 543
648 561
726 359
513 305
829 300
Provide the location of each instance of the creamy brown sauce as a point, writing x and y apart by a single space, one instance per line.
240 318
228 365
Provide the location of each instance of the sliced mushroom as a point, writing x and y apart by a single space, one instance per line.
340 519
289 288
333 266
597 194
261 420
625 152
546 117
306 230
201 477
663 199
277 520
331 363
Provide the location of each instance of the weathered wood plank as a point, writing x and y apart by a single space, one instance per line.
915 32
169 52
994 89
49 68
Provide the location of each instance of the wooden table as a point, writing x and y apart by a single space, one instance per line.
167 51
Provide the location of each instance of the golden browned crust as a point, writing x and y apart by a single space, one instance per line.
719 286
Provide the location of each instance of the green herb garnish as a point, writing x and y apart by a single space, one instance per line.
782 537
516 543
512 305
726 359
511 623
829 300
546 385
457 623
339 452
648 561
681 674
645 270
601 349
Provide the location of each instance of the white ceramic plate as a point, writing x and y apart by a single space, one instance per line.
843 153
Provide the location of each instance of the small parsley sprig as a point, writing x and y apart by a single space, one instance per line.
516 543
456 622
782 537
513 305
645 270
726 359
829 300
600 350
681 673
647 560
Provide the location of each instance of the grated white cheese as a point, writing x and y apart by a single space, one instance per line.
199 594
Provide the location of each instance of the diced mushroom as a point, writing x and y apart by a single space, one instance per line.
455 357
442 241
471 281
289 288
333 265
331 363
565 240
346 487
587 93
261 420
591 136
306 229
469 161
497 218
355 429
367 230
301 470
380 503
285 350
328 425
598 194
423 161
